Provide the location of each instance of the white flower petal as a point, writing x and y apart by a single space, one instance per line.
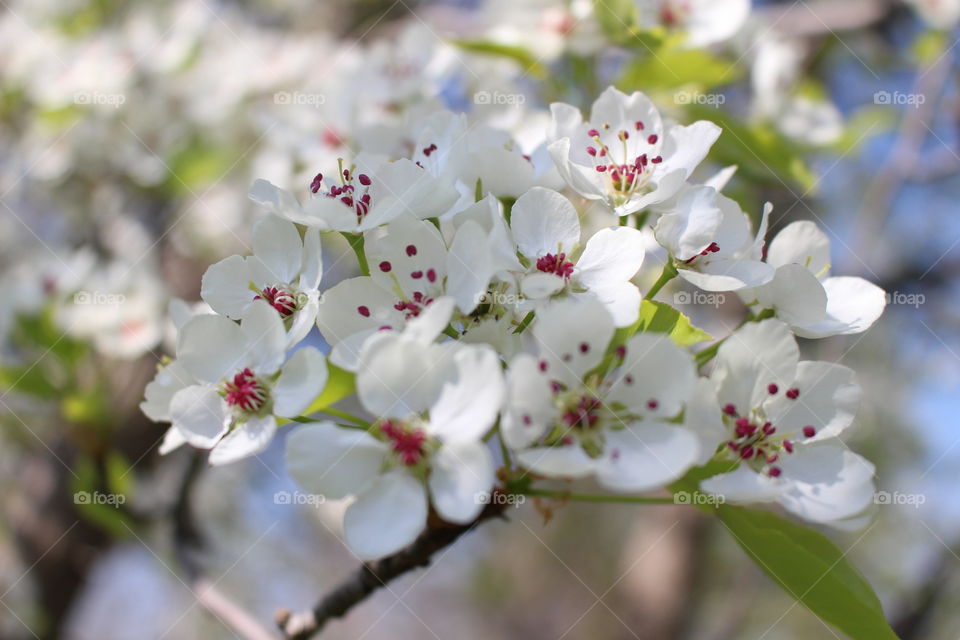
386 517
529 406
743 485
573 335
827 483
266 338
753 357
398 376
540 286
543 221
711 21
278 201
502 171
853 305
356 305
612 254
687 227
401 187
311 267
621 299
226 287
584 180
328 214
172 440
646 456
247 438
469 265
277 244
702 418
468 405
828 401
568 461
431 322
199 414
797 296
565 121
346 353
802 243
160 391
656 377
729 275
301 380
461 477
210 347
407 251
333 461
621 111
303 321
685 147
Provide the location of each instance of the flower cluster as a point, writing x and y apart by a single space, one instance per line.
496 335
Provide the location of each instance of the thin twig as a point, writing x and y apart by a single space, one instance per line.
373 575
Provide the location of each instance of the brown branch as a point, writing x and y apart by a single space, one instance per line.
373 575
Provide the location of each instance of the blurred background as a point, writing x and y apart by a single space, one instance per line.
130 132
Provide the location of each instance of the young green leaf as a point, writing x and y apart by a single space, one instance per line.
812 569
527 61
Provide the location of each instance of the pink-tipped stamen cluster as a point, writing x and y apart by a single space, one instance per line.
353 191
413 307
556 264
409 443
584 414
755 440
283 301
630 174
245 392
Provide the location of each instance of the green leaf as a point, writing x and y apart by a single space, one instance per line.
102 509
618 19
197 165
523 57
863 125
31 380
41 331
690 482
760 151
340 384
118 471
690 69
929 46
85 407
812 569
660 317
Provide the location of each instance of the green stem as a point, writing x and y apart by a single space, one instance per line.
709 353
356 243
525 323
450 331
669 273
349 417
591 497
306 420
506 455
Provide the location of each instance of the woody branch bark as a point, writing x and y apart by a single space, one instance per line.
372 576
